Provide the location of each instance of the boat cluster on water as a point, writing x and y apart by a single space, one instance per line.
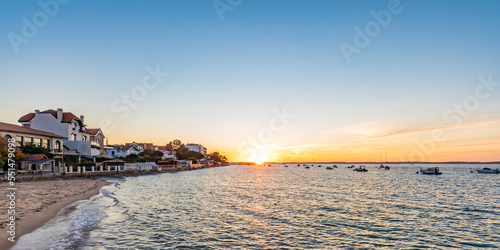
426 171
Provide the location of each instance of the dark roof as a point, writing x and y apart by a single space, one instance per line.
67 116
18 129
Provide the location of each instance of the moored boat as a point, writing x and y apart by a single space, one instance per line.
434 171
488 171
361 169
329 168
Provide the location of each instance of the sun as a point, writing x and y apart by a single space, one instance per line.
260 158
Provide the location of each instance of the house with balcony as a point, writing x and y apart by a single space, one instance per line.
24 135
197 148
65 124
97 142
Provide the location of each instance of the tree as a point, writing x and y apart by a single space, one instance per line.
194 154
176 144
150 155
216 156
193 159
181 152
4 153
31 149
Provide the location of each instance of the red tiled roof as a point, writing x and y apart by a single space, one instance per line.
35 157
53 112
67 116
93 131
169 147
162 148
27 118
148 145
18 129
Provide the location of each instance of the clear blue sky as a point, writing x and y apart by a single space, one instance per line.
225 77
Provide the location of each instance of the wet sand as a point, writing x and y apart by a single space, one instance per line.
39 201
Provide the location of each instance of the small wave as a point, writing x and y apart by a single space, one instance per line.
84 221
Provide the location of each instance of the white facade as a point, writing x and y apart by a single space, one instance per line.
197 148
111 151
61 123
125 151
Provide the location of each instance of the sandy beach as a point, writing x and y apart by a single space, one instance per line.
39 201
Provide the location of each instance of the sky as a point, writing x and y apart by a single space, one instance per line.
265 80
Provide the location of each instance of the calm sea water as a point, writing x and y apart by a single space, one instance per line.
250 207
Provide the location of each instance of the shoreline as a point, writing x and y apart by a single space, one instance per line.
38 218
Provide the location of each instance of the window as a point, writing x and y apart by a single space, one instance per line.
19 141
37 141
74 137
46 144
27 140
58 146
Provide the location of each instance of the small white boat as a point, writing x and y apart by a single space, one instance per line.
434 171
488 171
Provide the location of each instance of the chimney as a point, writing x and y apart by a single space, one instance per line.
81 119
26 125
60 114
37 111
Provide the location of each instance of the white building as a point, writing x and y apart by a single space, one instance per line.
64 124
168 151
124 151
97 142
197 148
45 139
